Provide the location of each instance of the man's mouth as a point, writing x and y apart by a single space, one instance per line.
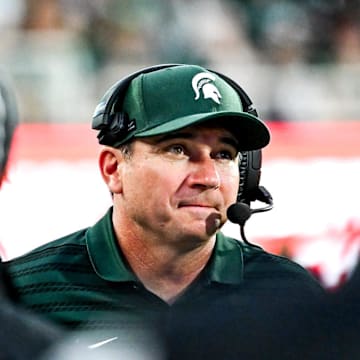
197 202
199 207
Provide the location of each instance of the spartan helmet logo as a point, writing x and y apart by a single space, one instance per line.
204 82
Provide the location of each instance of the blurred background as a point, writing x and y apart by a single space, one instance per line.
298 60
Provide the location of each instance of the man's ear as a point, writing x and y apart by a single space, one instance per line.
110 160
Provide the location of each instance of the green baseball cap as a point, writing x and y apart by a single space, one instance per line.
175 97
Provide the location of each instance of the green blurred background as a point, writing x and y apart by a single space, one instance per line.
298 60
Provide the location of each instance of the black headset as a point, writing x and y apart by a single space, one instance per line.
113 125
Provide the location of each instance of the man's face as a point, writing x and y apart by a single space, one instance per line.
179 185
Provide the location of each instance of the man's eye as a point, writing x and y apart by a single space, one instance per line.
226 155
176 149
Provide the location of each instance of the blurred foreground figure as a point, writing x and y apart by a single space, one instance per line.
344 305
22 335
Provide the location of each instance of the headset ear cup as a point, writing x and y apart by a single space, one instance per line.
119 128
250 171
243 165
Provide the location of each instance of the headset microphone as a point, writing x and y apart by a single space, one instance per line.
240 212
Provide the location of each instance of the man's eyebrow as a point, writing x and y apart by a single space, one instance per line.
188 135
230 141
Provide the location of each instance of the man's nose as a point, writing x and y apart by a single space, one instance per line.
205 174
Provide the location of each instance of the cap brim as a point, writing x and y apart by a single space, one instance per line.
250 131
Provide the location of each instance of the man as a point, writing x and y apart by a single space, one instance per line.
22 335
172 140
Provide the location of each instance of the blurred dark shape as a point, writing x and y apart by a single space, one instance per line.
22 335
8 120
253 328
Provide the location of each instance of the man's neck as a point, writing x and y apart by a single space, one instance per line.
162 269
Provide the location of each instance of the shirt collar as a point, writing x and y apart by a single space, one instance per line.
105 253
225 265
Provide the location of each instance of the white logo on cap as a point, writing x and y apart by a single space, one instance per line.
204 82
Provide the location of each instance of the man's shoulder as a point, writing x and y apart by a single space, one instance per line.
255 256
263 269
66 247
48 268
258 258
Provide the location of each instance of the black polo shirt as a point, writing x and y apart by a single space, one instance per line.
83 281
